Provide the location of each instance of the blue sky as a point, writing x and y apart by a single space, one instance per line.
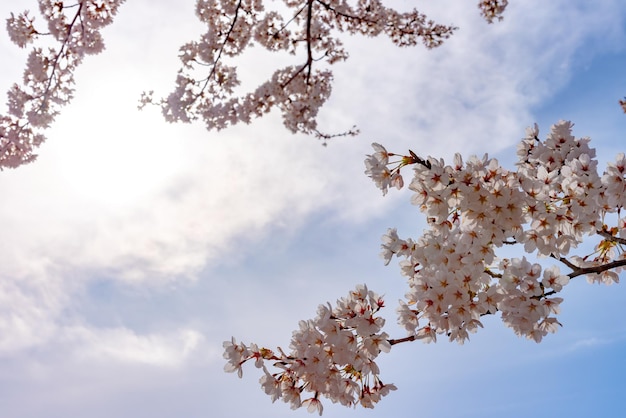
132 248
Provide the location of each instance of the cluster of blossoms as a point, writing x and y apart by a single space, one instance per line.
73 30
554 199
547 206
331 356
205 85
492 10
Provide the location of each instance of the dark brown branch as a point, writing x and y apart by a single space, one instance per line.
283 85
578 271
309 59
492 274
402 340
598 269
309 52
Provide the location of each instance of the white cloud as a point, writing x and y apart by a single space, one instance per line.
588 343
123 345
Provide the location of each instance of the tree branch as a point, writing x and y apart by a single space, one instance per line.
578 271
598 269
345 15
309 50
395 341
289 21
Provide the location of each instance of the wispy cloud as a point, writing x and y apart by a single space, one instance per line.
588 343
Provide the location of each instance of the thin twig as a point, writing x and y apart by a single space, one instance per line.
289 21
55 64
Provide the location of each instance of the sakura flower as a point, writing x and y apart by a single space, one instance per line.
271 386
313 405
378 172
380 153
236 354
552 278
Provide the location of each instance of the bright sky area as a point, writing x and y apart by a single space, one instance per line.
131 249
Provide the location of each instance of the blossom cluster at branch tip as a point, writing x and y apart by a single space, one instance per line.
48 81
332 356
554 199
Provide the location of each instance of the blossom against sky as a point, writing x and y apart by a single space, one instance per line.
132 248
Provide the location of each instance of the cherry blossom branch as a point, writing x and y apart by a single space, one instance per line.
308 40
360 19
578 271
325 136
284 26
48 85
220 51
298 91
333 356
62 48
44 96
